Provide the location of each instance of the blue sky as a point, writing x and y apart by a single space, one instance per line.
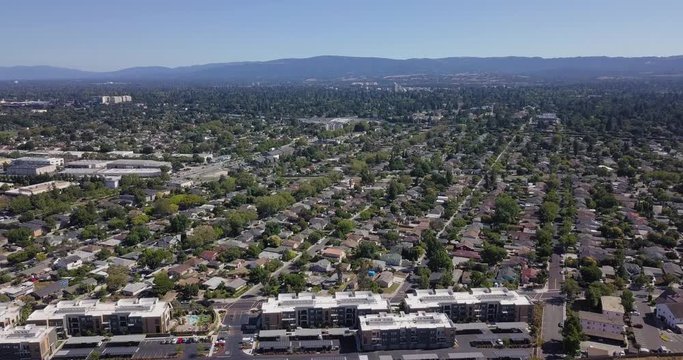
108 35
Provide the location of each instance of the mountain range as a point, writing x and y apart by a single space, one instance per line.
344 67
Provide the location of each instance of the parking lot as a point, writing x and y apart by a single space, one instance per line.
155 350
673 341
649 335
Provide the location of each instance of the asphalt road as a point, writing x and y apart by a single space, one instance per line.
553 315
555 276
554 310
649 336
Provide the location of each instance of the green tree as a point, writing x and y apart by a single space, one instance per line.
153 258
137 235
627 300
367 249
258 275
597 290
590 273
19 236
571 288
344 227
295 282
164 207
507 210
189 291
549 211
572 334
117 277
201 235
273 241
271 204
84 215
179 224
162 284
424 274
492 254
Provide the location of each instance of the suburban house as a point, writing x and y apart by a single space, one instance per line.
334 253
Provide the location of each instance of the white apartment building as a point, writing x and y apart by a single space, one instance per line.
113 99
406 331
90 317
479 304
671 313
601 326
27 343
342 309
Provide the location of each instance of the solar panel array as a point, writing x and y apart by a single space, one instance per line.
70 310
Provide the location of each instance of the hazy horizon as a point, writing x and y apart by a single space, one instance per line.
97 36
327 55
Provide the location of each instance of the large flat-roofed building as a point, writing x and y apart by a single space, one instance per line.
141 172
480 304
89 172
30 169
27 343
36 189
137 164
115 99
110 168
342 309
419 330
87 164
90 317
30 160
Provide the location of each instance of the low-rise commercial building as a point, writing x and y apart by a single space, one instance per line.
28 160
87 164
30 169
90 317
406 331
342 309
27 343
36 189
480 304
137 164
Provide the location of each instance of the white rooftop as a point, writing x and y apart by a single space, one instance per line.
360 299
144 307
28 333
420 320
424 299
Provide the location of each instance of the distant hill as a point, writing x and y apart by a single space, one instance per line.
338 67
